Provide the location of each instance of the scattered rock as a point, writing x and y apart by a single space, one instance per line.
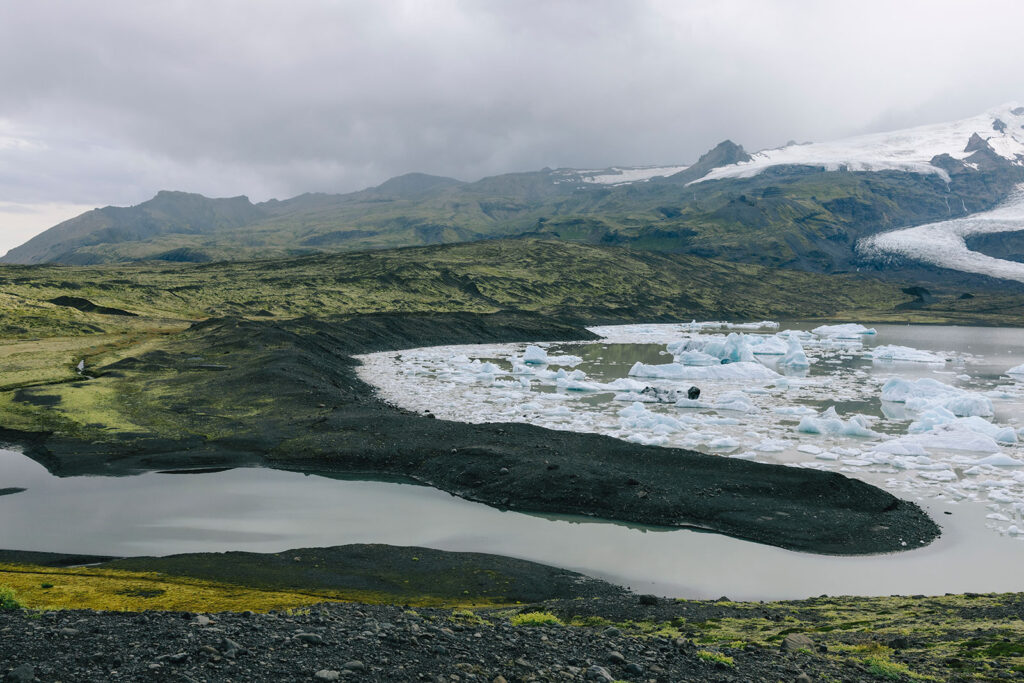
600 674
22 674
616 657
311 638
354 665
327 675
796 641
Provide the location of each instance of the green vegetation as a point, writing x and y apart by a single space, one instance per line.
9 599
716 658
797 217
535 619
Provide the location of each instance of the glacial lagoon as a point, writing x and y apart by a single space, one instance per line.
978 502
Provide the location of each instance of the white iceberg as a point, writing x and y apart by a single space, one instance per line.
795 356
729 371
927 394
535 355
903 354
736 401
767 346
844 331
1016 370
829 422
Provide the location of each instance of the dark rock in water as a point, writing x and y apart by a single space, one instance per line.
11 490
693 393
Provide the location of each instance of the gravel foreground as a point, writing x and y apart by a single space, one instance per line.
373 643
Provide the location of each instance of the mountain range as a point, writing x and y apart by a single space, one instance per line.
801 206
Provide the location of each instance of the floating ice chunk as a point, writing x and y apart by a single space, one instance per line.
809 448
1000 496
826 455
1016 370
1001 460
903 354
577 385
697 358
729 371
535 355
901 447
927 394
794 410
939 475
634 397
767 346
845 331
772 446
795 356
723 443
733 349
692 403
829 422
953 440
735 400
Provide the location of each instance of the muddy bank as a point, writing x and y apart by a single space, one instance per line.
284 394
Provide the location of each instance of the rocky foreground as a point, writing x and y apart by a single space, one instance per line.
361 642
623 638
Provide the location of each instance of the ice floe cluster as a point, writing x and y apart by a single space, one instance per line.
832 398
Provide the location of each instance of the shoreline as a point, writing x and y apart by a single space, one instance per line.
325 419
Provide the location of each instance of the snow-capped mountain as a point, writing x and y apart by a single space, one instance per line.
913 150
615 175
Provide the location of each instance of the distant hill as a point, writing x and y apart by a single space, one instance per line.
801 206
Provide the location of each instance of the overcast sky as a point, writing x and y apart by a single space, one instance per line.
108 102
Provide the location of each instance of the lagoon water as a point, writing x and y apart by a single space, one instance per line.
266 510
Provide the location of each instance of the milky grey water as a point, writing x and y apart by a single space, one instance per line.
267 510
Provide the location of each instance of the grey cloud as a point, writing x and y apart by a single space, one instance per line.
272 99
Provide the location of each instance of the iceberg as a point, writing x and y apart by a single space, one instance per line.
795 356
535 355
845 331
730 371
903 354
767 346
928 394
735 400
733 349
1016 370
829 422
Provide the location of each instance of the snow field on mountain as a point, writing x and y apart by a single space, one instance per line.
917 426
910 150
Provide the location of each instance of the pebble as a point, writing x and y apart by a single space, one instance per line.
22 674
327 675
311 638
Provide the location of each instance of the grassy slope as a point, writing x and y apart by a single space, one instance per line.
40 342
